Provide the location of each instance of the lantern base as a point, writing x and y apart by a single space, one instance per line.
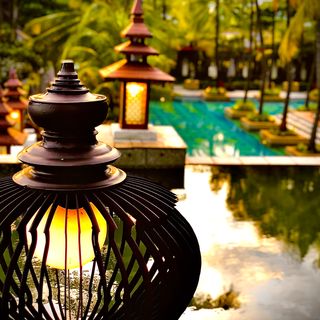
120 134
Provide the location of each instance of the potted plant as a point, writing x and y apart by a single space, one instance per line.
256 121
215 94
240 109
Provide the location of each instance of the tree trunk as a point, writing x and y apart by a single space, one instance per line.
217 42
283 125
250 53
312 141
272 46
310 81
263 59
1 13
164 10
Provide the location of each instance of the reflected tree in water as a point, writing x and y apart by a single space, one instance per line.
282 201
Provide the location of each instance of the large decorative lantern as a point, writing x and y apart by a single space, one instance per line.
79 239
13 95
135 73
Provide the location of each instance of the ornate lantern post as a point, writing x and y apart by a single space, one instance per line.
13 95
135 73
79 239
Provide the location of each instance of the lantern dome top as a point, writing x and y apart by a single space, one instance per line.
69 153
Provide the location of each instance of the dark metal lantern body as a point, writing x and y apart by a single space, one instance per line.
148 266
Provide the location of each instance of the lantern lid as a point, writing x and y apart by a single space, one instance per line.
69 156
124 70
136 28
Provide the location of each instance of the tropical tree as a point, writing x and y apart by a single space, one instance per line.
263 58
86 32
283 125
250 62
308 10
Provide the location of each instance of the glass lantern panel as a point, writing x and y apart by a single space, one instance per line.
136 103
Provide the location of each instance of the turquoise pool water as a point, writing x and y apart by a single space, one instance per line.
206 131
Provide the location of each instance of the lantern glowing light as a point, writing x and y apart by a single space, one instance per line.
136 100
15 115
70 237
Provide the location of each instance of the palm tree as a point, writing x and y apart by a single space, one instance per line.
312 141
249 77
263 58
307 10
283 125
275 8
217 24
86 34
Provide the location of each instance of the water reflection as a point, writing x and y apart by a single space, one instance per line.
283 202
259 234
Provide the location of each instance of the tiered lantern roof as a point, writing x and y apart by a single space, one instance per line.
8 135
13 92
135 65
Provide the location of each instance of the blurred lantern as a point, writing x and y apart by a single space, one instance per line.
274 71
8 135
303 72
231 72
245 71
79 239
213 71
135 73
13 95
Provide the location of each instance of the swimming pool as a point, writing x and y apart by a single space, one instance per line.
206 131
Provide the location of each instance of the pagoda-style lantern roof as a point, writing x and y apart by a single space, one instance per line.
138 48
124 70
8 135
136 28
13 92
135 66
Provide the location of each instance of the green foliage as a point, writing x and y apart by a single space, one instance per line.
314 95
308 10
227 300
312 107
285 133
162 93
16 55
260 117
272 92
245 105
301 147
215 91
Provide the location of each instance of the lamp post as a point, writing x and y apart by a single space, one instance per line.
13 95
79 239
135 73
